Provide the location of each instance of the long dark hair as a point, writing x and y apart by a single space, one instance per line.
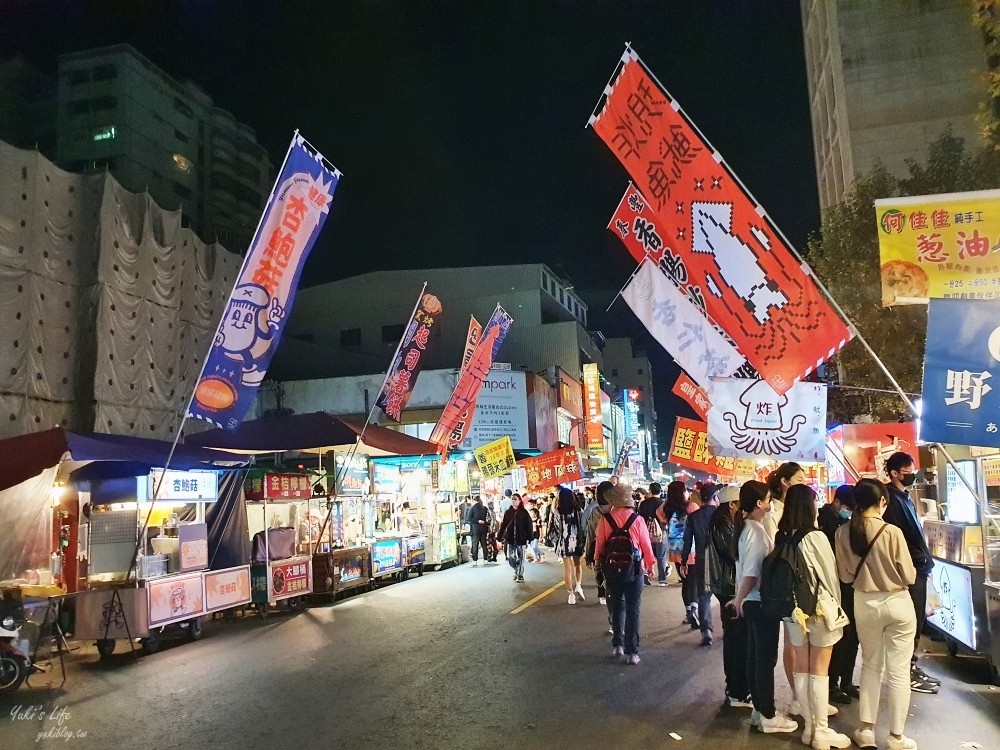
784 472
867 493
567 502
751 493
800 510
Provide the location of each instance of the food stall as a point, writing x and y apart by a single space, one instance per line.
345 562
964 586
285 526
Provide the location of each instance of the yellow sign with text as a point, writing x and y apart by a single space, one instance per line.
496 459
942 246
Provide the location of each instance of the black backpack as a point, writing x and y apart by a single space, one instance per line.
785 580
620 559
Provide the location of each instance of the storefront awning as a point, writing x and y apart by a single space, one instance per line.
318 432
27 456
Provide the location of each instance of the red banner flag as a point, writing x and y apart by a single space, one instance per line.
549 469
461 429
688 390
689 448
753 285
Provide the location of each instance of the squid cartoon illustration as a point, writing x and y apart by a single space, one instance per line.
251 317
738 266
762 430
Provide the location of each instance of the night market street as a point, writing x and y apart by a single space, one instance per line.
439 662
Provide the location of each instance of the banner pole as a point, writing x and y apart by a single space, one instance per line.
371 412
634 274
604 92
201 373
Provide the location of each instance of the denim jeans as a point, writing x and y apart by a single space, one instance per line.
536 548
623 602
660 553
518 554
704 597
734 652
762 657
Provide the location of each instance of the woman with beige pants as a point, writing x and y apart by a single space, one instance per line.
873 556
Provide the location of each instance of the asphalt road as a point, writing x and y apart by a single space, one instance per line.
440 662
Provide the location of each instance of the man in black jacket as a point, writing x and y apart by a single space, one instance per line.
696 530
900 469
478 517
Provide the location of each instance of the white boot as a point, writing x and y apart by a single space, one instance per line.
805 706
824 738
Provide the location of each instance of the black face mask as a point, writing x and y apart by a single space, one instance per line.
907 480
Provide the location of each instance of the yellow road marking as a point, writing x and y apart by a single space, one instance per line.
536 599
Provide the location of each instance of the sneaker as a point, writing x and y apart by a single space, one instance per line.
924 676
693 617
921 686
579 593
662 584
647 581
839 696
520 579
572 598
854 691
865 739
738 703
602 600
611 630
617 653
755 719
706 641
779 723
826 739
900 743
633 659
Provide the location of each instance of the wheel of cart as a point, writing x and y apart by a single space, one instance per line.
151 643
952 645
195 629
105 647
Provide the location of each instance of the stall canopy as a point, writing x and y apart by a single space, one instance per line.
27 456
318 432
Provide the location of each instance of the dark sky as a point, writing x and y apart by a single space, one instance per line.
459 126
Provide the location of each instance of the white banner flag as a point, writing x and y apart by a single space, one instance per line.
749 420
680 327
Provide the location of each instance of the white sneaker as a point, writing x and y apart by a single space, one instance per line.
602 600
611 630
737 703
865 739
825 738
780 723
662 583
579 593
755 719
572 598
903 743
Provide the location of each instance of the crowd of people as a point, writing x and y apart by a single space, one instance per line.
820 581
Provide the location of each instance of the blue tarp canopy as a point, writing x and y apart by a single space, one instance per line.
27 456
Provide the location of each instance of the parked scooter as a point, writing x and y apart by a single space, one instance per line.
15 665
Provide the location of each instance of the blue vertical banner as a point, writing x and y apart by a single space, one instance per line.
961 394
262 298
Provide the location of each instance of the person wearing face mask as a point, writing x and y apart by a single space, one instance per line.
873 557
832 516
901 512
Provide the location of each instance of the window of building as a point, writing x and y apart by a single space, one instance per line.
183 192
78 107
350 337
392 334
184 108
102 103
640 371
106 133
614 373
180 136
105 72
183 163
78 77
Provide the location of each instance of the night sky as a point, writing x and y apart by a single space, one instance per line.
459 126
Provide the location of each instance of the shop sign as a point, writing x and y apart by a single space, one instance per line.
570 394
176 598
501 409
387 555
949 591
416 550
549 469
289 579
350 568
193 540
961 390
352 479
448 542
495 459
278 487
337 521
385 478
447 479
689 448
592 407
227 588
939 246
184 485
991 468
435 474
462 476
